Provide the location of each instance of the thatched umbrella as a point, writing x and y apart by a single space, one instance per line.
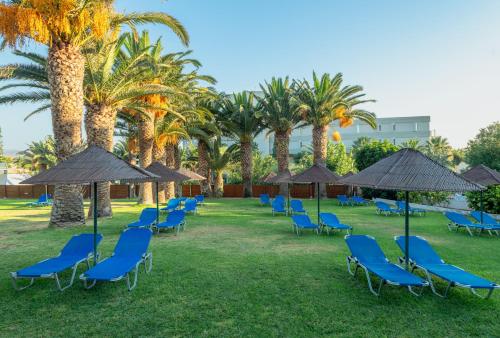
283 177
485 176
316 174
410 170
166 175
192 177
350 187
91 166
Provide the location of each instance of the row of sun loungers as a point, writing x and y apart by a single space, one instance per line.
459 221
328 222
130 252
400 209
352 201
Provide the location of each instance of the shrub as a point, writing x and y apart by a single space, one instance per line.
491 198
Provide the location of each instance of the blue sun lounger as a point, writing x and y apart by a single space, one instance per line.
460 221
343 200
130 252
423 256
175 220
358 200
278 206
190 205
304 222
172 205
384 208
487 218
43 200
200 199
330 221
264 199
79 249
401 205
366 254
297 207
147 219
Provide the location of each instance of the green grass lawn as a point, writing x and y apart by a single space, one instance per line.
238 271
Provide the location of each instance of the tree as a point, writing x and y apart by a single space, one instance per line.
40 155
484 148
241 122
279 111
325 101
439 149
337 159
491 199
413 144
66 26
370 153
219 158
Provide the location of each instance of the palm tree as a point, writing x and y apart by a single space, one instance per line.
66 26
219 157
280 114
40 155
241 122
413 144
325 101
439 149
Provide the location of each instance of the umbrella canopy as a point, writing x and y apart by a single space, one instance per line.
349 174
191 174
410 170
483 175
268 177
283 177
92 165
316 174
166 174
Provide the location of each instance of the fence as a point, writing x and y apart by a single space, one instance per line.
120 191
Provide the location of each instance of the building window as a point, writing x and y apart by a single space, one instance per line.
379 127
394 126
394 141
357 128
416 126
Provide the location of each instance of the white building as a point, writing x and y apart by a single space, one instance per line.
394 129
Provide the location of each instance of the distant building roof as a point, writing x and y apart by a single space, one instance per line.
13 179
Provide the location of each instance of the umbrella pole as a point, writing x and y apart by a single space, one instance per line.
481 205
317 193
157 204
95 221
407 228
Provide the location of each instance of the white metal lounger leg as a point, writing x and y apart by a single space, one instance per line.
148 267
14 282
376 293
433 288
349 260
58 282
86 285
469 230
415 293
131 287
488 295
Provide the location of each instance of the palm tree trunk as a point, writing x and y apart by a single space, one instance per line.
203 168
65 70
146 140
100 127
219 184
282 144
131 187
246 168
178 160
160 156
320 143
170 163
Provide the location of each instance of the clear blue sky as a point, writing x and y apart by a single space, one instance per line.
437 58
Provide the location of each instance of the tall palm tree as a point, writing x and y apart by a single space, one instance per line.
66 26
219 157
241 122
413 144
325 101
280 114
